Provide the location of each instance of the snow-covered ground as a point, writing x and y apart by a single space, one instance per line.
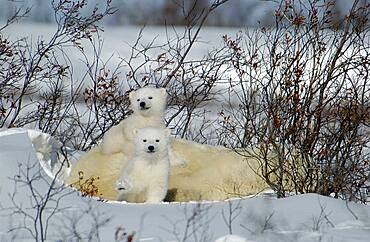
308 217
118 39
117 42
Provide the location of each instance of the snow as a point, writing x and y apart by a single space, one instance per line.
232 238
308 217
117 42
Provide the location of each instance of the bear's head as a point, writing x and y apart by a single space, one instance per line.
151 142
148 101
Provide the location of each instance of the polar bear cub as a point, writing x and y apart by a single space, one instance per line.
148 104
145 177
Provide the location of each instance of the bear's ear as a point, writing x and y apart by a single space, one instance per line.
163 91
131 95
167 132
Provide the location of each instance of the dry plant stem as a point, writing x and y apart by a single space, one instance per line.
45 208
44 205
192 38
232 213
194 226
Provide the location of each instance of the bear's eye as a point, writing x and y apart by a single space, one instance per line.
144 140
138 100
150 97
157 140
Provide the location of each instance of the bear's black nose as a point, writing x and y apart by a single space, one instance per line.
151 147
142 104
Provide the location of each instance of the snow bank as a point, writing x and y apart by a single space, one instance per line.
232 238
307 217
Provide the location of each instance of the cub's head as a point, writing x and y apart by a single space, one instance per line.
151 141
148 101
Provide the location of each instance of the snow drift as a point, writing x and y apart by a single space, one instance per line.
307 217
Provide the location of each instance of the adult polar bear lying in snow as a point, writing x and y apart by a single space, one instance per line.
211 173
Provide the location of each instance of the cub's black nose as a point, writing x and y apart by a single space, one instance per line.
142 104
151 147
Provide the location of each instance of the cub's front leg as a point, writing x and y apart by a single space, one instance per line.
123 186
157 192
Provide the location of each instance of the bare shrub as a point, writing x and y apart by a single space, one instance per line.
39 207
39 88
194 225
301 92
39 203
42 206
122 235
298 91
231 214
87 186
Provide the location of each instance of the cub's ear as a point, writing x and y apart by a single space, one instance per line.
131 95
167 132
163 91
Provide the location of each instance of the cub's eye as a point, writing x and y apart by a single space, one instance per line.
144 140
138 100
157 140
150 97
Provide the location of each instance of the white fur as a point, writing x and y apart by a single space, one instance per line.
145 177
120 138
212 173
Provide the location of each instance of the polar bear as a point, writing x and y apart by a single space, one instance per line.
144 178
214 173
148 105
211 173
